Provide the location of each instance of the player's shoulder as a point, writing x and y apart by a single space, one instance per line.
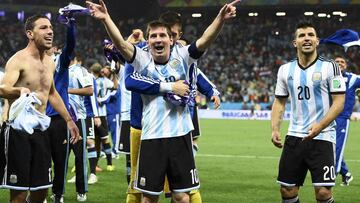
288 64
18 59
325 59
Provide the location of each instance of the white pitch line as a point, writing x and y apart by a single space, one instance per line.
252 157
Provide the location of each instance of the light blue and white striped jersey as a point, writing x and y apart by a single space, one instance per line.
78 78
91 104
162 119
104 86
310 92
125 97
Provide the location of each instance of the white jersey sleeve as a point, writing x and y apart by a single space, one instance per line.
335 79
281 89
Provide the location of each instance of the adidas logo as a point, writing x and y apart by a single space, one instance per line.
290 78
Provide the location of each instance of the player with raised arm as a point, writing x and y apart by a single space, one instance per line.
30 168
154 132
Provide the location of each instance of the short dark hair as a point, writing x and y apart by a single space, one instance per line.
30 21
304 24
171 18
156 24
79 57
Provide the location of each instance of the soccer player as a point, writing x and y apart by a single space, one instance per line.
103 85
112 101
80 85
352 82
58 132
202 83
92 118
316 90
30 167
161 140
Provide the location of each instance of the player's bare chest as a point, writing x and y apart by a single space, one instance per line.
37 72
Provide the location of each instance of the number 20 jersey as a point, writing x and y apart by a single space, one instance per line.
310 90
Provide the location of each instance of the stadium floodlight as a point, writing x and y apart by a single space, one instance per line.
196 15
328 16
337 13
280 13
277 33
321 15
308 13
21 15
251 14
343 14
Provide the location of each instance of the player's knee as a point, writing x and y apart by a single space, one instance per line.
16 195
38 196
180 197
323 194
288 192
149 198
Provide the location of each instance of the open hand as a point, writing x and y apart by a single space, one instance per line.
98 11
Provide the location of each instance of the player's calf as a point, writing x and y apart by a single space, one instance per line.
323 194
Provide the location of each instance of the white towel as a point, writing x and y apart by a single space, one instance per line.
24 116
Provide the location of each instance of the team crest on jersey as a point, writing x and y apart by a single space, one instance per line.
316 77
174 63
13 178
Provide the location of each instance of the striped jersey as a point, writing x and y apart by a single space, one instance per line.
310 92
125 97
104 86
352 82
112 101
90 102
78 78
162 119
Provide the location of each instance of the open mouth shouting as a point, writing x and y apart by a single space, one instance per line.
159 48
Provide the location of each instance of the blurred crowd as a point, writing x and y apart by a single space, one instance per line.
242 63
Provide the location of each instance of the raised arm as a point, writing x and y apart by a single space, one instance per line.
11 76
69 47
228 11
100 12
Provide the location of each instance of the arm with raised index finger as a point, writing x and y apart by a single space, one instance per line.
226 12
100 12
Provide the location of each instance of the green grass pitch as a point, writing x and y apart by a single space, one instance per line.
237 163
